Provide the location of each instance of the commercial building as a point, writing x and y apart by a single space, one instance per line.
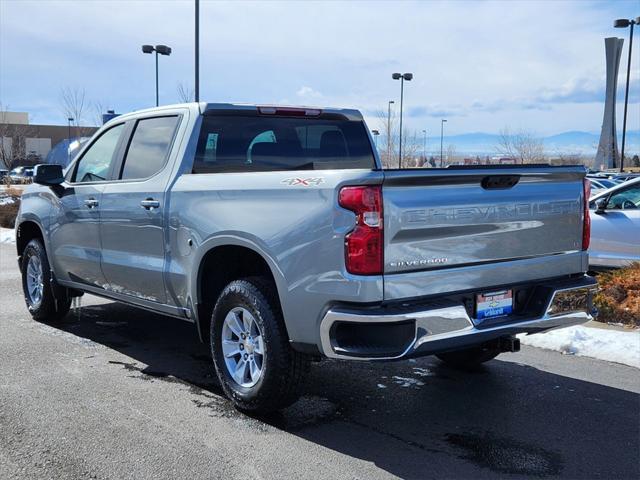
22 143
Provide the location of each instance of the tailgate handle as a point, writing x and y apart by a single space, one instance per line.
500 182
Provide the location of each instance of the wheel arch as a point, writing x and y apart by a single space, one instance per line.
26 231
222 262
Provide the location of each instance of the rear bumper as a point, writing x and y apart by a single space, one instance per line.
417 330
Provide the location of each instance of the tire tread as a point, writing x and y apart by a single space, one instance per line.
50 309
287 367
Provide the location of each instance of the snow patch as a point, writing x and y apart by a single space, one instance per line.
7 235
381 386
7 200
600 343
423 372
407 382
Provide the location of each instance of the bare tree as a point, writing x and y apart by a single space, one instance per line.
72 102
389 131
99 108
451 154
186 94
411 157
505 145
74 105
388 150
523 146
13 145
570 158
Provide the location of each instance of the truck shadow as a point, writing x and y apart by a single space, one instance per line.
413 419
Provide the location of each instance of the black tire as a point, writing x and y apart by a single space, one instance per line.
283 368
48 309
469 357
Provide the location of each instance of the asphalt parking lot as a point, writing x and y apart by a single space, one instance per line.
115 392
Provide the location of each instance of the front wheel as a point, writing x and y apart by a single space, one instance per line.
469 357
257 368
37 287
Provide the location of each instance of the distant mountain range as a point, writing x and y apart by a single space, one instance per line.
583 143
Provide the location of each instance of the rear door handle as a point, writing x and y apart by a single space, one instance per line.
150 203
91 203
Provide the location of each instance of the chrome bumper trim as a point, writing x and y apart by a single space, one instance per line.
453 323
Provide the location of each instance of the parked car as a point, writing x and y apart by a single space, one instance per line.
599 184
611 176
623 177
615 226
21 174
276 232
65 151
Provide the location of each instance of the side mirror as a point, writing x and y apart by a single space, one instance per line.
601 205
48 175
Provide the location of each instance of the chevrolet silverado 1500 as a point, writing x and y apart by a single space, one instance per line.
277 233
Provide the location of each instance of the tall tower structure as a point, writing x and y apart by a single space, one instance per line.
607 155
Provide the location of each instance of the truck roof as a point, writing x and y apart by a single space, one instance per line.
204 107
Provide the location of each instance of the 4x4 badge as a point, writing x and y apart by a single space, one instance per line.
305 182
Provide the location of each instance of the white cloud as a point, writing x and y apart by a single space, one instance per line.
486 64
308 92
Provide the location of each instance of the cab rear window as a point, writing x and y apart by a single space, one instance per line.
269 143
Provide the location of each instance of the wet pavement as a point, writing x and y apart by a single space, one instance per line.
115 392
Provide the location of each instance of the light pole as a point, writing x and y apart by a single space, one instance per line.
624 23
69 120
402 77
159 49
375 137
389 130
197 52
442 122
424 148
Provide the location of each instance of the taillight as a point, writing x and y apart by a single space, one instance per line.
586 222
364 245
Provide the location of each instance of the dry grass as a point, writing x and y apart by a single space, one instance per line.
13 191
9 206
8 213
618 297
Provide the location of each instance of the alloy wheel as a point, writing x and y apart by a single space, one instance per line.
243 347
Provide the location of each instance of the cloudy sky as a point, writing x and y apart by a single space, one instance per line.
535 65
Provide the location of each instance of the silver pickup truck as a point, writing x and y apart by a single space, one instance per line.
276 232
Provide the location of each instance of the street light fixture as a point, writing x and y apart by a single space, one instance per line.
375 137
442 122
402 77
159 49
624 23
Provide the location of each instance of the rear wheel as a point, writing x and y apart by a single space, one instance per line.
257 368
37 285
469 357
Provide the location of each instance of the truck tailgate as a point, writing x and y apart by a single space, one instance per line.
475 218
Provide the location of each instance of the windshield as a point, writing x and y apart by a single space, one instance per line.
270 143
607 183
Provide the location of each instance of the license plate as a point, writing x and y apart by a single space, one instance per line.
494 304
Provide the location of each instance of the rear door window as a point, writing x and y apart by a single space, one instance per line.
149 147
270 143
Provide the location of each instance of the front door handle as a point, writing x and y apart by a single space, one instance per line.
91 203
150 203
